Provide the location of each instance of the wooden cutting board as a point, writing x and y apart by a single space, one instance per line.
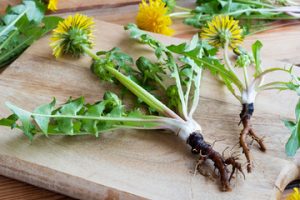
135 164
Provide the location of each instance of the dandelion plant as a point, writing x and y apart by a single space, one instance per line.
162 105
224 33
255 15
21 26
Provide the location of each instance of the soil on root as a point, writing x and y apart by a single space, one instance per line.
206 151
247 130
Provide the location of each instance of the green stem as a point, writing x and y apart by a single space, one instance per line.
226 73
8 39
228 63
178 83
137 90
183 8
269 26
160 82
180 14
258 80
196 97
257 3
275 83
158 127
267 17
269 71
275 88
188 88
152 119
20 47
270 11
246 77
80 134
226 57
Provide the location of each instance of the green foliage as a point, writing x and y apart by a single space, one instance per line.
293 143
186 77
243 60
173 96
170 4
146 73
211 63
21 26
114 58
294 85
254 15
256 47
145 38
75 117
150 71
176 71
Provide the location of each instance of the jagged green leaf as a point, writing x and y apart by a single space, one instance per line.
25 118
22 25
66 125
95 110
43 122
75 117
10 121
293 143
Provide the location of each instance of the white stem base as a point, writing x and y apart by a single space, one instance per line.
248 96
190 127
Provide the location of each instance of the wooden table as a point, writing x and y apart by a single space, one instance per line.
120 12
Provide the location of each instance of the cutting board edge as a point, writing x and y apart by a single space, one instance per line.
60 182
289 173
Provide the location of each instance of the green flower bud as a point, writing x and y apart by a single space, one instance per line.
243 60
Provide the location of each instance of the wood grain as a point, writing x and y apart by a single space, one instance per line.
75 5
11 189
126 13
134 164
5 3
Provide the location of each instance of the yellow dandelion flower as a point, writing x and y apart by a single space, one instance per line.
72 35
153 17
222 30
295 195
52 5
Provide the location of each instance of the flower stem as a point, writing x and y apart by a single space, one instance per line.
271 70
271 85
289 10
137 90
246 77
267 27
226 57
196 93
228 63
180 14
183 8
257 3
